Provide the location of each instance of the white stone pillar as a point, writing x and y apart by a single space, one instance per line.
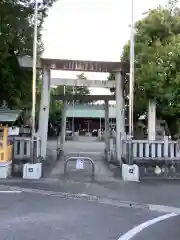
44 110
106 125
152 120
120 116
63 126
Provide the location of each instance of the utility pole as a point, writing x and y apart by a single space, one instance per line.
131 83
131 80
34 78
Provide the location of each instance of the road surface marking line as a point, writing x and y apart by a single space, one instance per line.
13 191
136 230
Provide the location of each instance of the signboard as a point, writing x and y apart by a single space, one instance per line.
80 164
13 131
75 65
84 66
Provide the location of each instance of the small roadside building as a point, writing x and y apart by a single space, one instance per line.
87 117
14 118
10 117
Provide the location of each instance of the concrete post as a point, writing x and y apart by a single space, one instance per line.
44 110
152 120
120 118
107 146
63 126
73 129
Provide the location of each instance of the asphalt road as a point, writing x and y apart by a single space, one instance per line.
34 216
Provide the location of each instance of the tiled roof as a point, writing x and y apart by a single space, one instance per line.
88 111
8 115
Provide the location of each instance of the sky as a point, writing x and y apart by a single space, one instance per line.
90 30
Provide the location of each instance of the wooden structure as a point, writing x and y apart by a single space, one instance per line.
5 146
22 148
14 118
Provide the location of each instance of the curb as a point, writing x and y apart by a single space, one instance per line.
164 209
97 199
79 196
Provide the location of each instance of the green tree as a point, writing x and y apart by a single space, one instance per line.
55 108
157 63
81 90
16 38
69 90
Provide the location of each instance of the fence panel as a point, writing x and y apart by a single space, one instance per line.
22 147
157 150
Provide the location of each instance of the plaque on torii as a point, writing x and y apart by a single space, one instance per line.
75 65
78 65
84 66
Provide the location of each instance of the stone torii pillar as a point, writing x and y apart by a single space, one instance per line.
107 146
120 117
44 110
63 126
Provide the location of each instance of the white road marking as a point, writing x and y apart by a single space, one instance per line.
8 191
134 231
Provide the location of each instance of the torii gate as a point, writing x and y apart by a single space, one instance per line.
118 68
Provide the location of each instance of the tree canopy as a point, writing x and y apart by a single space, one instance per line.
16 38
81 90
157 63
